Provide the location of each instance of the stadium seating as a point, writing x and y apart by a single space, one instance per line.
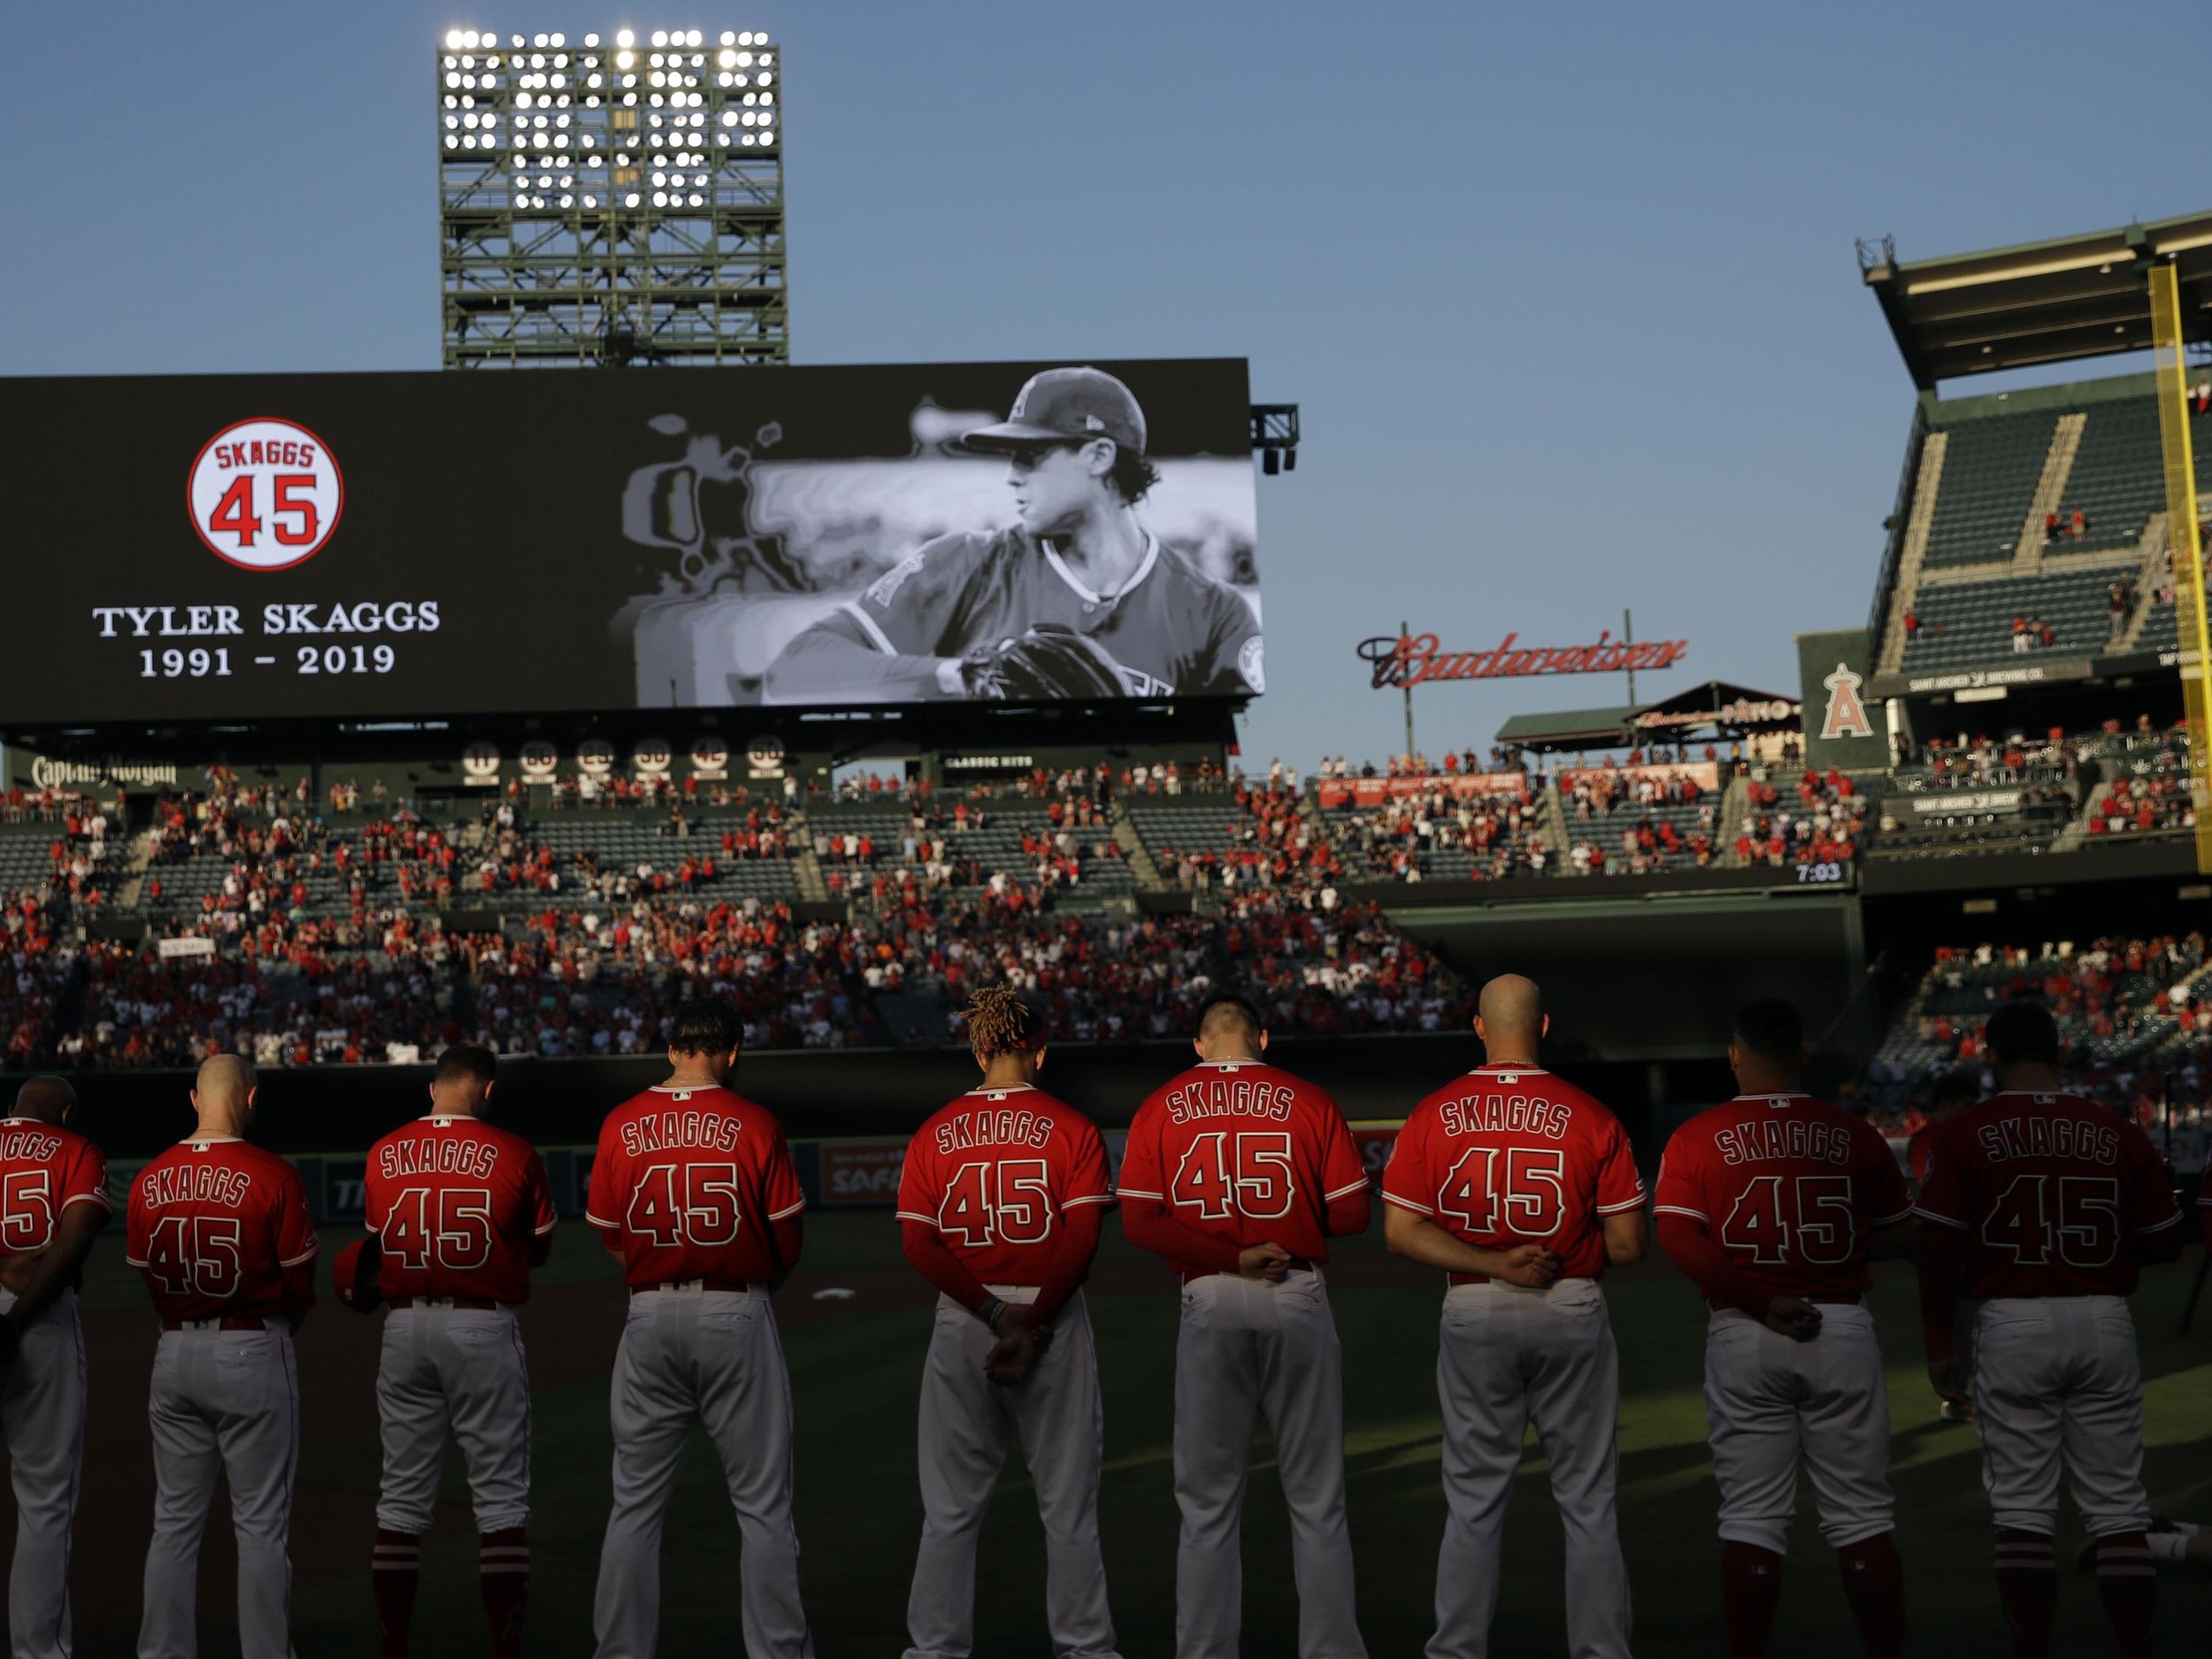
1970 623
2117 481
1990 468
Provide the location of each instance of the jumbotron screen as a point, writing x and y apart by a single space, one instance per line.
367 546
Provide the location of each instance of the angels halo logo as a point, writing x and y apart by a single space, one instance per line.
265 494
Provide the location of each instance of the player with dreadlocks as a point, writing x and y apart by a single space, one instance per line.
1000 1204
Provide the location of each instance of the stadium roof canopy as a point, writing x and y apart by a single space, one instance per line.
1711 709
2045 302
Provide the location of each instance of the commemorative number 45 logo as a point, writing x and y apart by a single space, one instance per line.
265 494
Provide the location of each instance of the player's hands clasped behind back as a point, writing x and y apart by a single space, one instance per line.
1531 1266
1270 1262
1794 1318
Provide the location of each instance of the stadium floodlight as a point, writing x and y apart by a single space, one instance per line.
670 236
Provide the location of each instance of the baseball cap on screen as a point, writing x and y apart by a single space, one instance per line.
1065 407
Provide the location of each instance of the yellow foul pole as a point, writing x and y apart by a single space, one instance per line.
2188 551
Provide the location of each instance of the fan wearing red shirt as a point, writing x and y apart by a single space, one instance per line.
999 1201
1774 1203
1521 1188
694 1189
1239 1174
2043 1206
219 1229
458 1212
53 1202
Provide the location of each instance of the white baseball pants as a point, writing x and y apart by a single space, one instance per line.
1507 1357
227 1403
1770 1400
712 1359
967 1424
2057 1381
457 1372
1247 1350
41 1415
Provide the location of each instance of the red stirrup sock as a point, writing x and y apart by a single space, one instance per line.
2128 1584
394 1568
1874 1580
2027 1583
1750 1590
503 1558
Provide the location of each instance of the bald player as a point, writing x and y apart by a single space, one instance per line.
1077 557
1523 1189
53 1202
219 1229
1774 1204
1239 1174
2043 1207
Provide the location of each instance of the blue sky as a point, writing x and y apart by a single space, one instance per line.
1566 294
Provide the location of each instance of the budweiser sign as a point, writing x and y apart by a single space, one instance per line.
1402 661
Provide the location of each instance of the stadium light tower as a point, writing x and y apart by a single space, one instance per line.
610 201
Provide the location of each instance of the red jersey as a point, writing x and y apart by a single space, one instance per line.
1242 1151
1792 1187
220 1228
688 1182
456 1204
995 1171
1917 1151
2050 1191
1510 1155
44 1168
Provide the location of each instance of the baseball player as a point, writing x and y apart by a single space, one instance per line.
1076 599
2043 1206
692 1187
458 1212
1774 1204
1000 1202
220 1231
1954 1092
53 1202
1238 1174
1521 1188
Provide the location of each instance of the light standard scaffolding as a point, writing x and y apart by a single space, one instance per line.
610 203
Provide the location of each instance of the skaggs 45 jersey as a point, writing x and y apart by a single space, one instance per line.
1171 628
220 1228
1792 1187
1245 1153
687 1183
995 1171
1510 1155
456 1203
2051 1191
44 1168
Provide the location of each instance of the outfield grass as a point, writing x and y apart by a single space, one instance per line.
854 1367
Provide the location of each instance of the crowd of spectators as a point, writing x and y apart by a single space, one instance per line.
2149 792
2135 1012
1647 838
1500 833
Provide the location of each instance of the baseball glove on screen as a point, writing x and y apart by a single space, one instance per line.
1046 661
